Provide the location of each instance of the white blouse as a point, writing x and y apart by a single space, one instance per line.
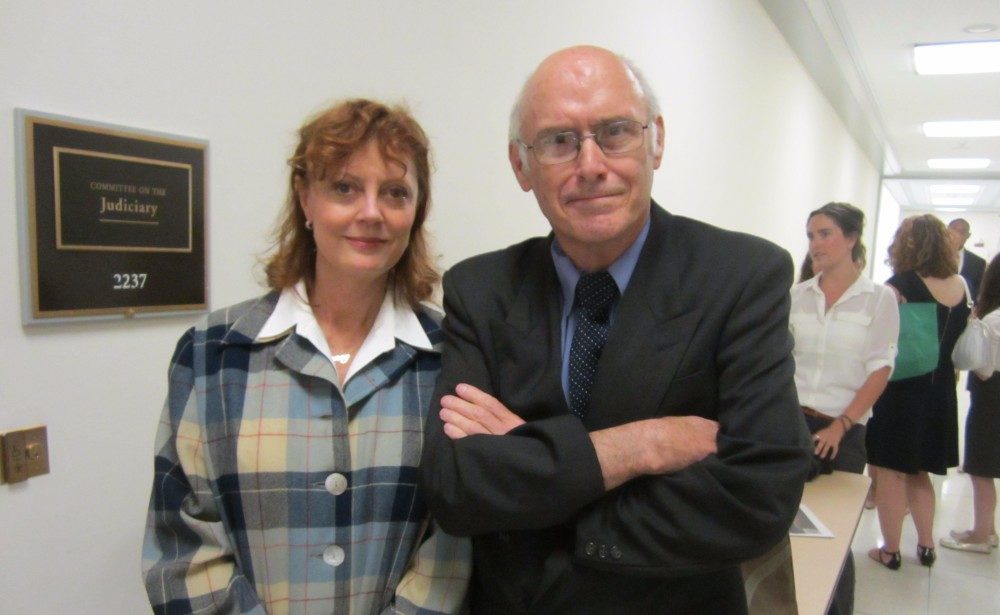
837 349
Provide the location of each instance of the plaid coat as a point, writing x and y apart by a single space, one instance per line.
275 492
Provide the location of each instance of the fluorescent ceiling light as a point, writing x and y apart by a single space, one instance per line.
950 209
953 200
958 163
954 189
973 128
957 58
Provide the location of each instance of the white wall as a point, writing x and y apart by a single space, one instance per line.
889 217
751 145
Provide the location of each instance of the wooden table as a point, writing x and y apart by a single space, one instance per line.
837 499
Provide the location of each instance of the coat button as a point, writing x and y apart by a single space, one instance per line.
616 553
336 483
590 549
333 555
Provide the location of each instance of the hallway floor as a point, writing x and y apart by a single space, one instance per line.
959 583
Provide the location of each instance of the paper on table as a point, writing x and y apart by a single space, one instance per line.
806 523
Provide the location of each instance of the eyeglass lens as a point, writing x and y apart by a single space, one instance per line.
616 137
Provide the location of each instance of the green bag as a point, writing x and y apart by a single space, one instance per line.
918 349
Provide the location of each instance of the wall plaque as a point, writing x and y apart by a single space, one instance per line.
113 220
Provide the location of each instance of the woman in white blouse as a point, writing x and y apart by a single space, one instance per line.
845 329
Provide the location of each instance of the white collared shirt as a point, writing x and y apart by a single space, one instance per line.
837 349
393 322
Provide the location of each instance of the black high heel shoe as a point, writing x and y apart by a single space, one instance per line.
894 562
926 555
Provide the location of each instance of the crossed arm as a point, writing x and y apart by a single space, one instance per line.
650 446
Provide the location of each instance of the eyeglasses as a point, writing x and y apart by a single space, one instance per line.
614 137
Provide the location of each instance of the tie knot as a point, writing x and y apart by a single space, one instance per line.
595 292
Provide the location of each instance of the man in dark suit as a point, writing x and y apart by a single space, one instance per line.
641 486
970 266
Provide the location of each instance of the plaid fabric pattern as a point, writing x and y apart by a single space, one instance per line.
241 519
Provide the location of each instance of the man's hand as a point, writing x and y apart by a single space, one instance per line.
471 411
653 446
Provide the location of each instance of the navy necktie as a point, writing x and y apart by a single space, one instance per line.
595 294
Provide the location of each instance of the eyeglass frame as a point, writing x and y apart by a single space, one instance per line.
581 137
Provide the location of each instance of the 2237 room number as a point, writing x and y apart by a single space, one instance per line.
128 281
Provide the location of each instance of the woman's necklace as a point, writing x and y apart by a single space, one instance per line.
348 339
350 348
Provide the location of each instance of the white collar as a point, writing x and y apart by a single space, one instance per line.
862 284
858 287
293 313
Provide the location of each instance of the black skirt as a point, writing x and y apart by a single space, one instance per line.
982 427
914 425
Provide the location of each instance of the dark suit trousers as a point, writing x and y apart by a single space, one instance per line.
605 593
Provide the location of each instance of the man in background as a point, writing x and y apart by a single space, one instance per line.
970 266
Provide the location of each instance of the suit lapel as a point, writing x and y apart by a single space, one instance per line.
649 337
645 346
529 339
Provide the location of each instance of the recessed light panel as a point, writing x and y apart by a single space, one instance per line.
973 128
957 58
958 163
954 201
954 189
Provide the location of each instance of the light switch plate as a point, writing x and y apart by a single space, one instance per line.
36 450
15 466
25 453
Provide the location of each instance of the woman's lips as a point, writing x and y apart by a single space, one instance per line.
366 243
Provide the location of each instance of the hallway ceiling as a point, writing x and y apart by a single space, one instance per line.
866 70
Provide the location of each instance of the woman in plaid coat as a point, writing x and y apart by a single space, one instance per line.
285 469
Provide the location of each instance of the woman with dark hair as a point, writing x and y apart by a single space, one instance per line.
845 329
286 458
806 271
914 425
982 454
